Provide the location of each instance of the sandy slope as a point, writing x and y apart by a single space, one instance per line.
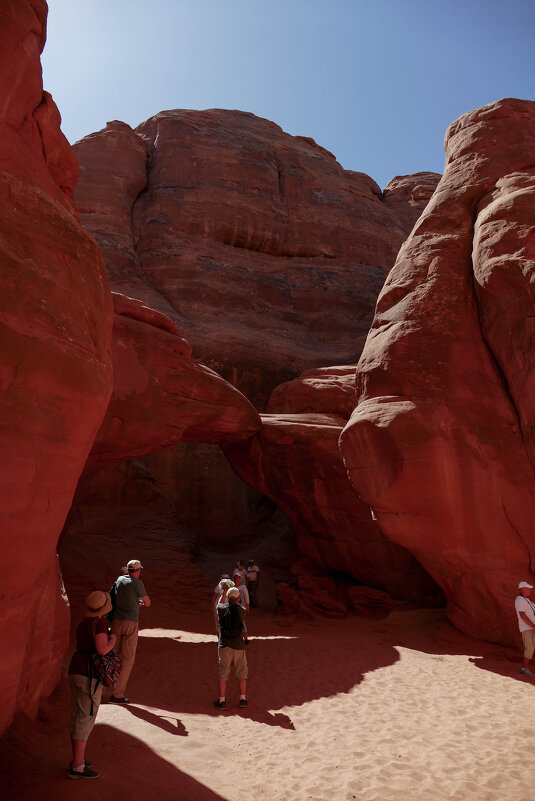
397 709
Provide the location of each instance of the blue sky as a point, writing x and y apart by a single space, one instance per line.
377 82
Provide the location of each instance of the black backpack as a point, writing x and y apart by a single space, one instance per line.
231 622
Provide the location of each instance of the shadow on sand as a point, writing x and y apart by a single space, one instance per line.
31 770
176 674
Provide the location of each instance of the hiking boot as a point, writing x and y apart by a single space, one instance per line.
526 671
243 703
114 700
219 704
86 773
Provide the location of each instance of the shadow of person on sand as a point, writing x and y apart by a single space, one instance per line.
502 660
268 718
441 637
507 666
290 667
285 669
166 722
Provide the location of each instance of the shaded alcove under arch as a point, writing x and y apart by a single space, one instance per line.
185 514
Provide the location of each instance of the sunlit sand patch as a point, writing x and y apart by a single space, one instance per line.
345 712
196 637
177 634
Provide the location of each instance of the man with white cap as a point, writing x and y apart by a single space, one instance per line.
525 612
128 593
231 647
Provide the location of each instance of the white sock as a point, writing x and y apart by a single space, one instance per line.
79 768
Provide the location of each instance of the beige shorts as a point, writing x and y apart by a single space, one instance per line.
82 721
529 643
228 658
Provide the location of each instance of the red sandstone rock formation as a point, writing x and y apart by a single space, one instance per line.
55 369
251 237
326 390
247 237
160 396
408 195
295 460
119 512
441 442
105 196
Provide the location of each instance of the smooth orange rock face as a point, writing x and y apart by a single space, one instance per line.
160 396
246 237
55 369
295 460
441 443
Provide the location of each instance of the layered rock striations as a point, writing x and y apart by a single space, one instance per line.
266 253
441 442
55 367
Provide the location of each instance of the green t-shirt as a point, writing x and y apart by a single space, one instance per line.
128 591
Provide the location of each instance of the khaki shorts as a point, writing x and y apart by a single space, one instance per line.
228 658
529 643
82 721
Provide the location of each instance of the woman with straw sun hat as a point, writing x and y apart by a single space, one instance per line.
91 636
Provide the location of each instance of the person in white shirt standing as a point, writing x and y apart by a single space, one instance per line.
240 570
525 612
244 592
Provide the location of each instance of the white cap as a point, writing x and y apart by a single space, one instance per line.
134 564
525 584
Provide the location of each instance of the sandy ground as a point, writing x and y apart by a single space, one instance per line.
402 709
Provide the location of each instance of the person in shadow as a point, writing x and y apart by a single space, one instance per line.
91 635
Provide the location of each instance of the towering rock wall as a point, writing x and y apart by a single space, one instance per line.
441 442
267 254
56 352
55 367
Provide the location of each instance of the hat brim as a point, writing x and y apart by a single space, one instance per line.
100 612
